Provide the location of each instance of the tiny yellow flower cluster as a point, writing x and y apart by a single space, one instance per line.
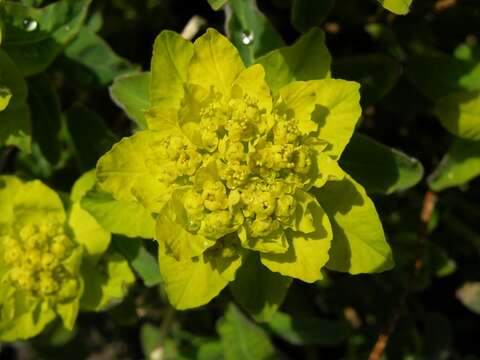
259 158
34 255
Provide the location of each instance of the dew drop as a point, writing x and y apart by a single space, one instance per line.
30 24
247 37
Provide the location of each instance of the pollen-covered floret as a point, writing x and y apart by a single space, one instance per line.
260 160
34 256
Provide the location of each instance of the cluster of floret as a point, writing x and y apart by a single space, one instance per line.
244 167
35 257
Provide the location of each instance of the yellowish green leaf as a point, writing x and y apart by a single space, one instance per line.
215 62
359 244
171 56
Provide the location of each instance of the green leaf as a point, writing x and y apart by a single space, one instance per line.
307 253
88 232
119 217
217 4
460 164
131 93
399 7
97 58
469 295
215 62
127 172
308 329
359 244
151 339
437 75
191 283
309 13
250 31
106 281
171 57
242 339
211 350
364 159
46 121
34 37
144 263
89 134
337 112
307 59
258 290
376 73
5 96
15 125
29 324
460 114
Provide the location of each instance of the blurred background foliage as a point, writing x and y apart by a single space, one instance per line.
415 70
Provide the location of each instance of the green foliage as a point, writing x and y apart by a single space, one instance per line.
15 128
274 148
364 159
34 37
242 339
250 31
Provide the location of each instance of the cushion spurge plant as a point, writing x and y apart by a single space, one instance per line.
235 166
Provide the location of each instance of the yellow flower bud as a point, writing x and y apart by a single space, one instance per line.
214 195
28 231
209 140
188 161
47 285
193 203
58 249
302 161
174 147
68 290
33 260
264 204
49 262
262 227
285 206
13 252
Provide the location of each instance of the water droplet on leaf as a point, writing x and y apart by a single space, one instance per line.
30 24
247 37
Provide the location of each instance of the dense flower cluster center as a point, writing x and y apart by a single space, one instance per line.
35 255
245 167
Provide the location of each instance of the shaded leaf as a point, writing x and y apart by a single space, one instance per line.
376 73
302 329
144 263
131 93
250 31
365 159
459 113
217 4
89 134
309 13
34 44
307 59
258 290
46 121
460 164
242 339
15 125
97 58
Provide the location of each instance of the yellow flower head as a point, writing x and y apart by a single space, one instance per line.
230 164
